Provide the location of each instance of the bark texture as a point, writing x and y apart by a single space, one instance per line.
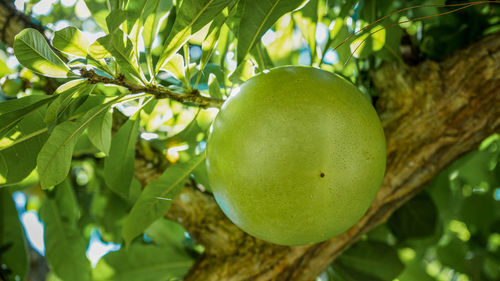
12 22
432 114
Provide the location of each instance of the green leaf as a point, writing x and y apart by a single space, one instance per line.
453 254
208 44
243 72
261 56
415 219
65 94
115 19
166 232
71 41
11 112
119 165
4 68
344 273
156 198
33 52
307 20
415 271
23 143
192 16
122 49
257 18
143 262
54 159
133 24
200 176
153 15
175 66
99 11
99 49
99 131
214 87
13 251
108 210
372 258
64 244
347 6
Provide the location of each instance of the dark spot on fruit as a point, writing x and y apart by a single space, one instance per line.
322 175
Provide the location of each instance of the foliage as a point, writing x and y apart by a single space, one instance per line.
135 80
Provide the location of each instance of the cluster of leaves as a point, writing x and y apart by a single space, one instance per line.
75 147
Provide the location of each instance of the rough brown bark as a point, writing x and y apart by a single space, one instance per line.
12 22
432 114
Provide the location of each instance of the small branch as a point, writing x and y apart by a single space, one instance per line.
159 92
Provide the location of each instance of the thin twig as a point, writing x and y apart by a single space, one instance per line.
159 91
410 20
409 8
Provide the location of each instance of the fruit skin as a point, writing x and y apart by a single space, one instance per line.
296 155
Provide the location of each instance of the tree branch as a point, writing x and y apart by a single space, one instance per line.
432 114
159 92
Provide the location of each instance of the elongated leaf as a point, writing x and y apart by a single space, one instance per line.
108 210
22 107
307 20
191 17
143 262
33 52
166 232
119 165
71 41
454 254
153 15
16 104
4 68
156 198
23 142
344 273
372 258
99 12
115 19
176 67
208 45
65 93
13 251
257 18
214 87
133 24
54 159
243 72
416 219
64 244
99 49
122 49
99 131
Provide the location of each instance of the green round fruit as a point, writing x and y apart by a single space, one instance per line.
296 155
11 87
